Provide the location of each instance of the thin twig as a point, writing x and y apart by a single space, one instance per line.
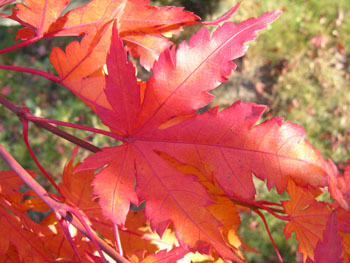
264 202
25 131
59 208
270 236
64 225
117 238
65 135
31 117
256 205
20 45
32 71
69 137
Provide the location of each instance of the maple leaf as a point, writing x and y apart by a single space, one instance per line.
141 26
272 150
343 227
339 186
223 209
139 18
165 256
77 191
308 218
34 203
329 249
37 16
76 187
24 236
10 184
57 244
163 122
76 66
9 181
147 48
346 244
178 76
81 60
133 235
17 229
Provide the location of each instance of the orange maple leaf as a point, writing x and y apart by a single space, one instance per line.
37 16
142 26
9 181
19 232
308 218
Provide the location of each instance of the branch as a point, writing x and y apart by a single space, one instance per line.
20 45
68 212
43 74
31 117
65 135
256 206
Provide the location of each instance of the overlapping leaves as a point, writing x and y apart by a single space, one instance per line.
142 26
186 167
162 121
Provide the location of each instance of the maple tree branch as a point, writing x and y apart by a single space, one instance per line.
65 135
75 126
20 45
256 205
264 202
59 208
43 74
69 137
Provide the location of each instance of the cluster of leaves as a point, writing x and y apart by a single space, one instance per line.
189 174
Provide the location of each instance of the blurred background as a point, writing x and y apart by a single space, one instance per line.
299 68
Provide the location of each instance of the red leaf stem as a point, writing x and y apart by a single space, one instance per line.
42 169
82 219
269 233
20 45
64 226
223 18
75 126
256 205
117 238
65 135
32 71
272 212
264 202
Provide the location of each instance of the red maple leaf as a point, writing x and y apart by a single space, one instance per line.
9 181
330 248
162 121
37 16
18 233
308 217
185 166
339 186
